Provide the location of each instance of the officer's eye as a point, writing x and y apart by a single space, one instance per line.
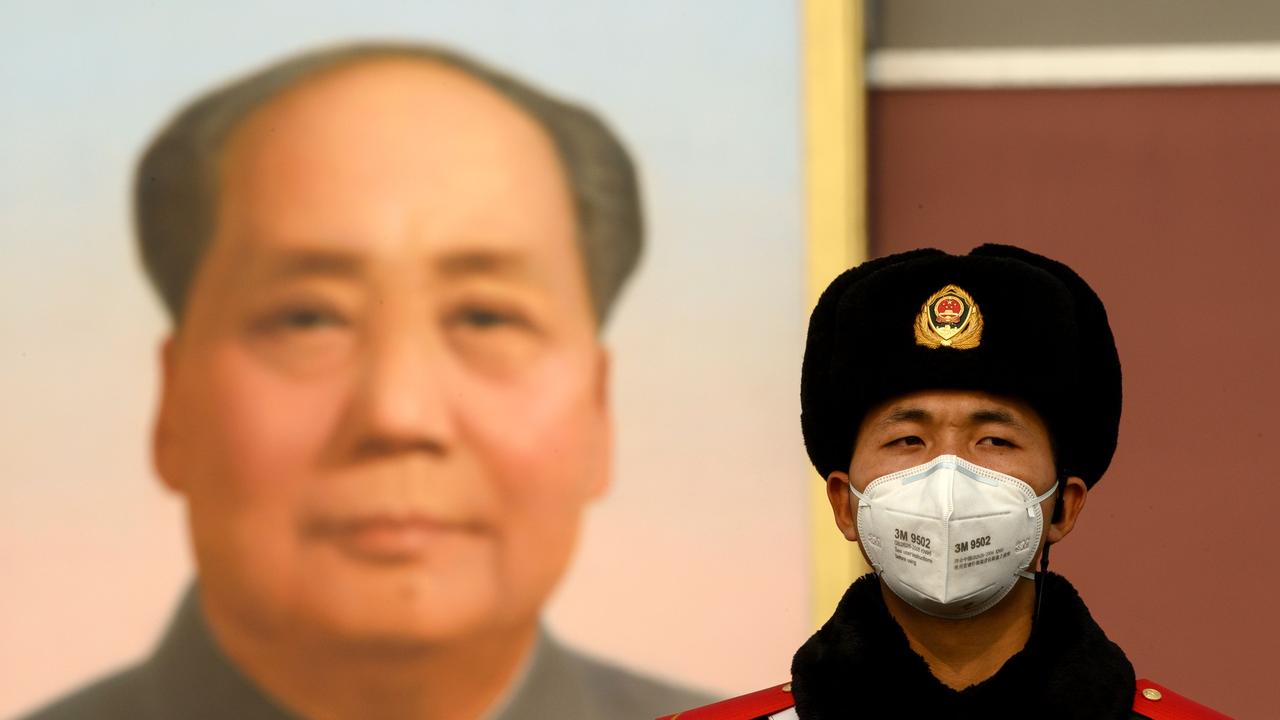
905 441
995 441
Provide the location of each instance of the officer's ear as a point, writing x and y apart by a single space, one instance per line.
1071 496
841 507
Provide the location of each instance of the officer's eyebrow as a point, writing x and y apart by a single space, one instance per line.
998 416
907 414
985 415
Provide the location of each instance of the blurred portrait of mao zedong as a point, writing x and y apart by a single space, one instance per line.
384 399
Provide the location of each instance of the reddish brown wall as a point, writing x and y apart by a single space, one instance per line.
1168 202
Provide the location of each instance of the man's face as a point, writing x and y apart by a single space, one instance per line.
1000 433
386 405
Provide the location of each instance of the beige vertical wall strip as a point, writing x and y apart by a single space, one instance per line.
835 173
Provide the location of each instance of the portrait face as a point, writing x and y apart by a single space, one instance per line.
996 432
385 405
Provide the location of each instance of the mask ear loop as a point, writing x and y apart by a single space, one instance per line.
1044 554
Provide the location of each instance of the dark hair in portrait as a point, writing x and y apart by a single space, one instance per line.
176 192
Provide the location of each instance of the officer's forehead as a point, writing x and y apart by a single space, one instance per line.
952 407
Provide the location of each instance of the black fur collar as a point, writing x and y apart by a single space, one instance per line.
860 665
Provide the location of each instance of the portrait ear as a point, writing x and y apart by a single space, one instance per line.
602 459
164 432
841 508
1071 500
603 378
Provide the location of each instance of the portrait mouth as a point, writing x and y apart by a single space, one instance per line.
389 539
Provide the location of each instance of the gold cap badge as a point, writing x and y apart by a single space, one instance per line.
949 318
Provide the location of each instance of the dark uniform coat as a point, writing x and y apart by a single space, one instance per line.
860 665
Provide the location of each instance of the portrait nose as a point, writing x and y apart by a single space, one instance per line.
402 402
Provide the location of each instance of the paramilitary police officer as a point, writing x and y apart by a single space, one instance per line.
960 409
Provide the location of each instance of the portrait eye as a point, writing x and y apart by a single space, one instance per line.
495 337
905 441
485 317
302 318
309 318
303 337
995 441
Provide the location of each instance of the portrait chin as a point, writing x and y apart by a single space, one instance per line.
393 553
389 592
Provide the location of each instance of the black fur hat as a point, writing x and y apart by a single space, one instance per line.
1000 319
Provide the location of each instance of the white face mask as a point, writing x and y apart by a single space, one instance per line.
949 537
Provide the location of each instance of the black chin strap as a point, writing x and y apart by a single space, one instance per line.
1044 560
1044 568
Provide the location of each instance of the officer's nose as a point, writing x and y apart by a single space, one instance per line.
950 444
